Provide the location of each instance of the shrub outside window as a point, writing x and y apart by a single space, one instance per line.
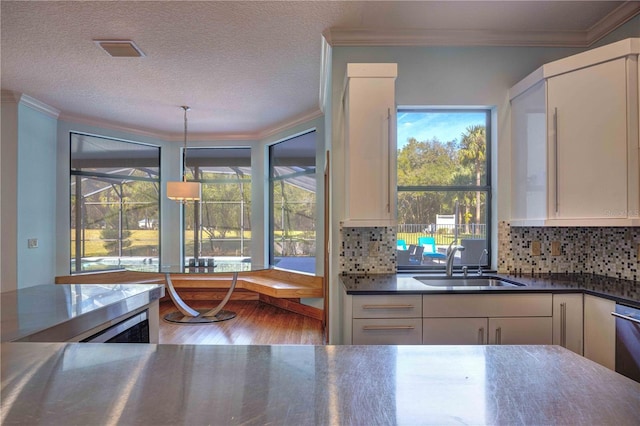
443 187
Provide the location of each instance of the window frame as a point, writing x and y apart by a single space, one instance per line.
486 188
271 201
74 174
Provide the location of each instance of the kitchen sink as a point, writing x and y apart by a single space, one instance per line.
439 281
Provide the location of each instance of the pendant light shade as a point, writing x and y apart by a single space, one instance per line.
184 191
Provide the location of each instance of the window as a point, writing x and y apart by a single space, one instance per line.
292 178
115 187
219 226
443 187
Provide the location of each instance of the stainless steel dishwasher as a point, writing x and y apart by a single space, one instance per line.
627 341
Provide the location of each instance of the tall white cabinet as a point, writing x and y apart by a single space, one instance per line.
575 145
370 144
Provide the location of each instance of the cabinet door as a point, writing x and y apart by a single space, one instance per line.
567 321
587 115
529 154
454 331
600 331
370 147
520 331
387 331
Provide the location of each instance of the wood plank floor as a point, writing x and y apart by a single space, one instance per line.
257 323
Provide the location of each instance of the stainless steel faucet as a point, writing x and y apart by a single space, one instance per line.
480 261
451 254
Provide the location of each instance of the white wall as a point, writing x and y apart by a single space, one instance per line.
8 197
36 176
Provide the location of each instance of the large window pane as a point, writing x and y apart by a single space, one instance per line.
293 200
443 187
218 227
114 204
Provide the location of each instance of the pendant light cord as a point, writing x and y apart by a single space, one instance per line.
184 151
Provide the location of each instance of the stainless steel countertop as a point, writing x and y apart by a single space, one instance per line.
58 312
624 291
133 384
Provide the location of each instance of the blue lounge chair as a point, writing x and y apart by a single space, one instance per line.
401 245
430 250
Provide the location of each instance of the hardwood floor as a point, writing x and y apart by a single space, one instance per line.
257 323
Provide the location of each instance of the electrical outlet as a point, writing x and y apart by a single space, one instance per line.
536 248
638 254
374 248
32 243
556 248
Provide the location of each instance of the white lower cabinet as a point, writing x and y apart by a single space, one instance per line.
454 331
386 320
600 331
520 331
568 321
468 319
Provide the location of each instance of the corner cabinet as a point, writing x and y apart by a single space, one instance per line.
370 144
600 331
568 321
575 145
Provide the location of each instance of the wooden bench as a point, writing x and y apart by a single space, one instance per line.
275 287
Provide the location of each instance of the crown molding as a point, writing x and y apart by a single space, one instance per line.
613 20
301 119
427 37
339 36
325 74
105 124
200 137
39 106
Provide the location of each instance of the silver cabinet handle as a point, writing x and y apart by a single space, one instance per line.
555 150
481 336
407 306
389 160
388 327
563 325
624 317
499 336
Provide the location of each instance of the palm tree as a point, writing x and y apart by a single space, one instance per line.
473 150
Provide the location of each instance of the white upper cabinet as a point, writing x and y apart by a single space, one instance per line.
575 144
370 144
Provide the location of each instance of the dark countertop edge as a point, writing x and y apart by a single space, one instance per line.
550 287
68 329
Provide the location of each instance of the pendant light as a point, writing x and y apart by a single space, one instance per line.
184 191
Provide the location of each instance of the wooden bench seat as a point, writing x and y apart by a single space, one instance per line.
276 287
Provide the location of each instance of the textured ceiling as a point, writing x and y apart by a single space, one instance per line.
243 67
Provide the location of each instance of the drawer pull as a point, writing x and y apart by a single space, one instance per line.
388 327
388 306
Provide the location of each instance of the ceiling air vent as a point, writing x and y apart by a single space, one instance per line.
120 48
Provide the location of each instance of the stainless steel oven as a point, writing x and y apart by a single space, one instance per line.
628 341
134 329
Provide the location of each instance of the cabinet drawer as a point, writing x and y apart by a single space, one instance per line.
408 306
481 305
407 331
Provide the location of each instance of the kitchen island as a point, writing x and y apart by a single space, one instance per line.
58 383
73 312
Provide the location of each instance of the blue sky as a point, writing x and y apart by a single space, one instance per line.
445 126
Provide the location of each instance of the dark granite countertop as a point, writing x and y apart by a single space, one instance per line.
620 290
144 384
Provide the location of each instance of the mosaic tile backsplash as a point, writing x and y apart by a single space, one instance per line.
611 252
370 250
